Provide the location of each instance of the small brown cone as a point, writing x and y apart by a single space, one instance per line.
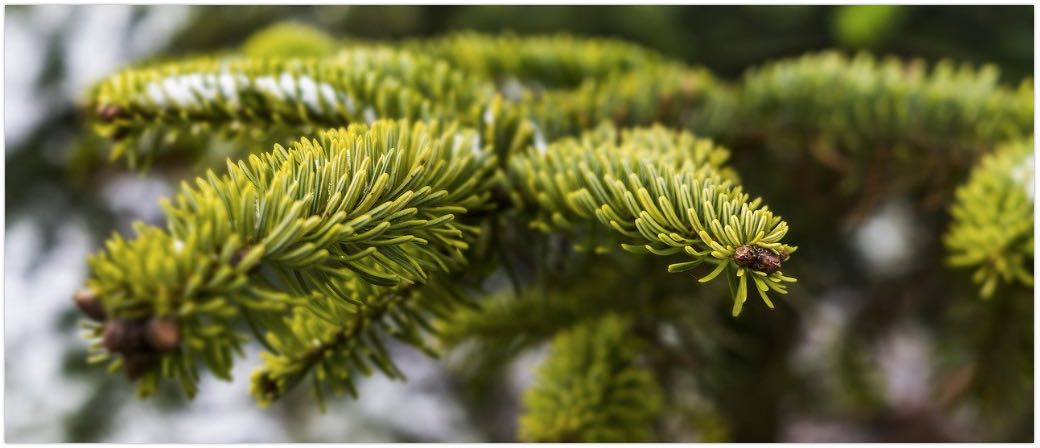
89 304
163 334
115 335
125 336
744 256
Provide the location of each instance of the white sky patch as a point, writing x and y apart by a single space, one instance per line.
905 360
826 322
135 196
50 18
23 62
430 413
886 239
96 45
38 287
523 369
155 29
222 412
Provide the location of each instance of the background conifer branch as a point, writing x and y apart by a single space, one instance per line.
992 229
591 388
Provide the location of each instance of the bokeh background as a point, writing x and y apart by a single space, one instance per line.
55 218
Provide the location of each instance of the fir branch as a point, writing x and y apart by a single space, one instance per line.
860 104
533 315
540 61
289 40
669 94
333 340
243 98
350 235
666 193
373 203
992 228
591 388
274 93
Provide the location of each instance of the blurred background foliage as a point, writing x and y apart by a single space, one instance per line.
725 39
887 339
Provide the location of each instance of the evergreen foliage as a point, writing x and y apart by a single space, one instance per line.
666 93
856 105
145 109
404 177
884 125
296 227
287 40
591 388
666 194
549 61
992 229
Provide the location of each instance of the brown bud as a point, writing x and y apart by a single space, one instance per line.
138 363
759 259
89 304
114 335
744 256
767 262
124 336
163 334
